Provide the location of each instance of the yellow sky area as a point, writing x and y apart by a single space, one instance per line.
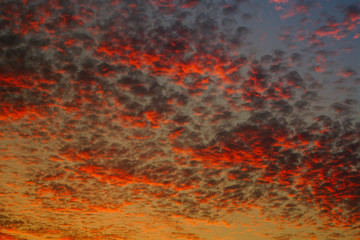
21 235
142 223
146 224
138 221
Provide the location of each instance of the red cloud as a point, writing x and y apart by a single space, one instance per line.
332 30
346 73
279 1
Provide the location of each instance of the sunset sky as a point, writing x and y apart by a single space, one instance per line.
183 119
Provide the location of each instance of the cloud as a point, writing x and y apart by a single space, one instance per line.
170 112
299 7
279 1
347 73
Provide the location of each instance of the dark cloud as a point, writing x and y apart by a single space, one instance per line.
293 79
352 13
340 108
246 16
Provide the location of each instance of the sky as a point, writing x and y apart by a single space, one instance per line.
183 119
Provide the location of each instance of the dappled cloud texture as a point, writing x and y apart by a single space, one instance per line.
195 119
